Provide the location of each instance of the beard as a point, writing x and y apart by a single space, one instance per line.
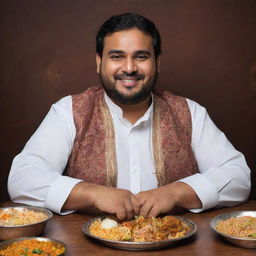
120 97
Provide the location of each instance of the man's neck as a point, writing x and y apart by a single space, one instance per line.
135 111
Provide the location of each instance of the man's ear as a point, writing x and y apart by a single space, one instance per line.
98 62
158 62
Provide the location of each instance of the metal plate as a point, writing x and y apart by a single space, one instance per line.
241 242
5 244
139 246
8 232
45 211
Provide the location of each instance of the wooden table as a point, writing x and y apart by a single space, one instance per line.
205 243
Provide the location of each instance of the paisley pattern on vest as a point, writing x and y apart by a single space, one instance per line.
93 157
172 130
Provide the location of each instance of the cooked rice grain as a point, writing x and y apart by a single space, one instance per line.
23 216
243 227
32 248
142 229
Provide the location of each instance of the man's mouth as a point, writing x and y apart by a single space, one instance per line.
129 81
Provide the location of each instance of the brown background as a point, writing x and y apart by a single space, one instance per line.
47 51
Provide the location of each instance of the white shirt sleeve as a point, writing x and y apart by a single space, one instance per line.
224 177
36 173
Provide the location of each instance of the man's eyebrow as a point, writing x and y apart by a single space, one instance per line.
115 52
145 52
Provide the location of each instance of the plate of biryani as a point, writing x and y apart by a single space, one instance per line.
141 233
30 246
21 221
238 228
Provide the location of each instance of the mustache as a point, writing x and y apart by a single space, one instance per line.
133 75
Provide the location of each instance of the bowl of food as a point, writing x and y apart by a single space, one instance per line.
22 221
32 246
141 233
238 228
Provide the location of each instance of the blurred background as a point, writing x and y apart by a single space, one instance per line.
47 51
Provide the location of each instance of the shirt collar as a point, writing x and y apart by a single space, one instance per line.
116 110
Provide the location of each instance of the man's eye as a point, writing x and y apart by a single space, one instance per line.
142 57
116 57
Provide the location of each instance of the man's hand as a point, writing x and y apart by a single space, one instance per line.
155 201
108 199
118 201
163 199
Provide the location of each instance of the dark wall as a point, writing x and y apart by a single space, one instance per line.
47 51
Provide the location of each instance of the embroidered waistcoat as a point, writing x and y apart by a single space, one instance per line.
93 157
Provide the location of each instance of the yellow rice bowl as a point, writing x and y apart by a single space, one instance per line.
242 227
20 216
32 247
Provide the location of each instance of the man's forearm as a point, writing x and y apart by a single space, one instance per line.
107 199
165 198
80 197
185 196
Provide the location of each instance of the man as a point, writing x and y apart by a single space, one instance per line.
129 148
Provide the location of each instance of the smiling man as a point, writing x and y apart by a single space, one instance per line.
127 147
128 66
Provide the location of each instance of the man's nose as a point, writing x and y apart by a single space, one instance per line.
129 66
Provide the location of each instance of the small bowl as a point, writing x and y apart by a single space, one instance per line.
5 244
28 230
241 242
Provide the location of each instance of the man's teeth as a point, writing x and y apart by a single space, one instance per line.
128 81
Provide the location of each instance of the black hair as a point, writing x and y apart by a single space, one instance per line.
127 21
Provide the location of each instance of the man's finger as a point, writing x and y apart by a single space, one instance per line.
146 208
129 209
154 212
136 205
121 212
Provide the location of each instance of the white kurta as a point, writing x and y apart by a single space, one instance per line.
36 173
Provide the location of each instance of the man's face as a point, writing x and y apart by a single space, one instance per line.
128 67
